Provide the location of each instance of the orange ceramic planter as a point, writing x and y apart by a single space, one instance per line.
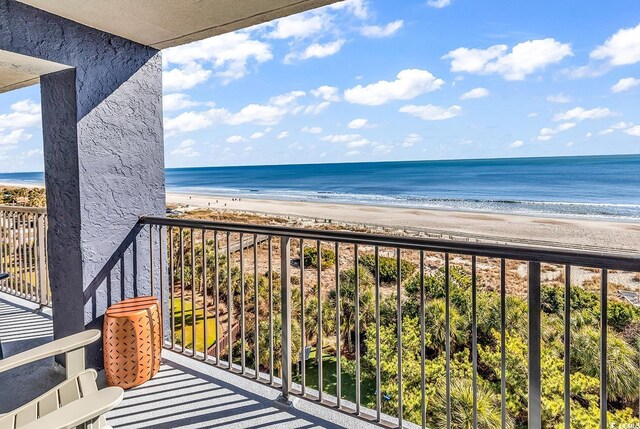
132 341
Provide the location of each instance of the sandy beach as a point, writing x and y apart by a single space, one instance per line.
579 233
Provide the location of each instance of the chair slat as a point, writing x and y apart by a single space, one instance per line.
26 415
69 392
48 403
6 422
87 383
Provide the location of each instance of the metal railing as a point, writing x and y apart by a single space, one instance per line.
23 253
291 291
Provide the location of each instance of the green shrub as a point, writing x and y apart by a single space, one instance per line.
311 257
387 267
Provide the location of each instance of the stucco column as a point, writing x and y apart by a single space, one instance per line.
104 162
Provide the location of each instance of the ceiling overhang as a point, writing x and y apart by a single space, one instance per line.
18 71
166 23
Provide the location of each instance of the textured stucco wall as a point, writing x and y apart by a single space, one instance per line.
104 162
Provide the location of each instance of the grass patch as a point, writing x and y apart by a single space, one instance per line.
188 326
348 376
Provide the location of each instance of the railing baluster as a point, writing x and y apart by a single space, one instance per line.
256 303
242 307
161 253
357 326
285 300
2 249
216 282
182 309
151 274
447 329
229 304
399 334
205 297
378 375
303 336
423 398
474 338
193 293
567 347
270 263
172 314
603 348
535 409
319 340
503 341
338 308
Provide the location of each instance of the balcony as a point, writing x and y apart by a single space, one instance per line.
302 290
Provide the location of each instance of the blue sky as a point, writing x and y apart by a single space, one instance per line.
393 80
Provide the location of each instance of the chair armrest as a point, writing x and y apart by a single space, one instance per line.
63 345
80 411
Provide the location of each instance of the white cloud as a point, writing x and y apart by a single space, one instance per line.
186 77
546 133
295 145
359 123
311 130
258 114
475 93
257 135
581 114
352 153
283 135
622 48
358 143
605 132
316 50
261 114
299 26
185 149
411 140
625 84
26 106
430 112
341 138
622 125
383 148
524 59
532 115
326 92
359 8
25 114
14 137
409 84
379 31
179 101
316 109
236 139
229 54
517 143
439 4
634 131
559 99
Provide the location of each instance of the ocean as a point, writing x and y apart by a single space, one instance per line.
588 186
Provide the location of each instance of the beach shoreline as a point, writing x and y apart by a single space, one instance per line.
580 233
619 236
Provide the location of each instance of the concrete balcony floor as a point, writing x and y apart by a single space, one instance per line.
185 394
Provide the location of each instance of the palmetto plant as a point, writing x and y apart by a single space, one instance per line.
488 403
622 361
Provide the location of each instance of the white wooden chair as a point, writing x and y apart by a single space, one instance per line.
76 402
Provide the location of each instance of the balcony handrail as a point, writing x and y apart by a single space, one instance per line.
23 209
551 255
